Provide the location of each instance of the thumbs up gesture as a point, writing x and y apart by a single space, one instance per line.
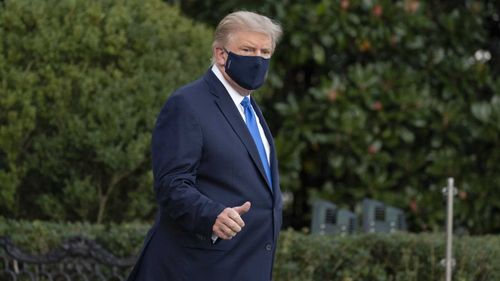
229 222
243 209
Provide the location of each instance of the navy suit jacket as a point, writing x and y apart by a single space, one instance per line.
204 160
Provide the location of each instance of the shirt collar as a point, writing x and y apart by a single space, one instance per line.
237 98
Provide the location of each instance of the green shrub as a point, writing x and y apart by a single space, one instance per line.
382 257
398 101
37 237
81 83
302 257
385 99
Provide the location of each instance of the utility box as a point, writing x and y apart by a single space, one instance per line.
328 219
380 218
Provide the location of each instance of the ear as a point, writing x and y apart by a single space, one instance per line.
220 56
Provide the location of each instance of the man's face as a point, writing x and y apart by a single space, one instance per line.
245 43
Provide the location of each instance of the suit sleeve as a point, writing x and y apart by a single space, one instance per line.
176 151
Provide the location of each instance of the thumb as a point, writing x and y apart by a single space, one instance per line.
243 208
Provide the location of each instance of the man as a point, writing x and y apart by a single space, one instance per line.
215 168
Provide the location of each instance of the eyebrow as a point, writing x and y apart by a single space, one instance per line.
247 46
253 48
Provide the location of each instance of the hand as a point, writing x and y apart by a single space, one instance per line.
229 222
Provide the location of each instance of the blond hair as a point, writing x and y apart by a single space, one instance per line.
245 21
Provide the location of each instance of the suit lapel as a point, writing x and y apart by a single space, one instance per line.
272 152
232 115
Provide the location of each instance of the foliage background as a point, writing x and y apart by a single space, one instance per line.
301 257
81 83
380 99
385 99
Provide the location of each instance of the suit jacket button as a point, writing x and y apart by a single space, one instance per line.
269 247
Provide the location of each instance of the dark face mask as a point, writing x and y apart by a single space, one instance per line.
247 71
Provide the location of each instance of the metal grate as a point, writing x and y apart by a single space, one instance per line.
379 213
76 259
331 216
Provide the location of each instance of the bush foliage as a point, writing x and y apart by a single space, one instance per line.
81 83
381 99
302 257
383 257
385 99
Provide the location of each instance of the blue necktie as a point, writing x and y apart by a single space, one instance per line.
254 131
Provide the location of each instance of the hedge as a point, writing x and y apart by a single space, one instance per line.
303 257
380 99
81 83
384 99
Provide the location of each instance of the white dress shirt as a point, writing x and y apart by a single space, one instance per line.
237 98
